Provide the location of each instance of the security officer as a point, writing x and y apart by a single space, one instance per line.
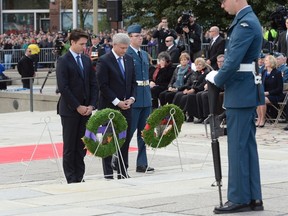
142 107
242 95
94 51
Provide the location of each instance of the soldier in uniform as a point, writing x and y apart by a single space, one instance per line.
242 95
95 49
142 107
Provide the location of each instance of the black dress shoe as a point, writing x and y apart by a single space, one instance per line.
256 205
190 119
143 169
198 121
230 207
286 128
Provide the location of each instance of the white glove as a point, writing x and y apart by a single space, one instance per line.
210 76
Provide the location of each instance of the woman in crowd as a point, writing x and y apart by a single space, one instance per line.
186 100
273 88
161 77
178 81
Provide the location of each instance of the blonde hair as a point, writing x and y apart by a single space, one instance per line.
184 55
200 60
272 60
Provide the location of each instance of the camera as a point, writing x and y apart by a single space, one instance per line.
278 18
185 18
59 43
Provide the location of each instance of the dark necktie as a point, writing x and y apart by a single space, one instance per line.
139 54
121 67
80 65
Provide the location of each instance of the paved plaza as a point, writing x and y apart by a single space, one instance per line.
180 185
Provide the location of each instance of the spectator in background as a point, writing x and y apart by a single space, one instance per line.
283 40
162 32
26 69
3 85
151 45
216 47
172 49
7 48
178 81
282 66
193 34
35 50
273 88
161 77
261 64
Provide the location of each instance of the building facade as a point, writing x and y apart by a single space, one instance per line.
17 16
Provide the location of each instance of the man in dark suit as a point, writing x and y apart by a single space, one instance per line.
172 50
216 47
242 96
26 68
115 74
77 84
283 41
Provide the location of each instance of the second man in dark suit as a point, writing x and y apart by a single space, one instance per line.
117 85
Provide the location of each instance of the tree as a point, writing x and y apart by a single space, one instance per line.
148 13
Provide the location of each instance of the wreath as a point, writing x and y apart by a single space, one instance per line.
101 124
159 130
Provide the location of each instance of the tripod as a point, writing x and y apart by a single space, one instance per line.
50 71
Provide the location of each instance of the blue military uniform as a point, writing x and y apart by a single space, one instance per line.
242 96
142 107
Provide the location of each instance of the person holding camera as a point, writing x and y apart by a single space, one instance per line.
162 33
192 31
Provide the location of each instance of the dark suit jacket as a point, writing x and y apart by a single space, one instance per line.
164 76
216 49
75 90
282 43
174 53
25 67
111 83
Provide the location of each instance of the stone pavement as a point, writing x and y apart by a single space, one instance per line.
170 190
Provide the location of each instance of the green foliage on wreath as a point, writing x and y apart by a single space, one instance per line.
155 120
100 118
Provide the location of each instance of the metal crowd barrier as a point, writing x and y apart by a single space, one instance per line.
10 58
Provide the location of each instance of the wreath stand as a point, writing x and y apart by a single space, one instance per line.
172 112
117 146
55 152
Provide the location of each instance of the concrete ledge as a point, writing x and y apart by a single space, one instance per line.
16 102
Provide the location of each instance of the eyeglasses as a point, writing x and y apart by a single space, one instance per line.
211 31
222 1
168 40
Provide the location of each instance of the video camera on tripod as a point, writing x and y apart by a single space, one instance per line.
59 43
185 18
278 18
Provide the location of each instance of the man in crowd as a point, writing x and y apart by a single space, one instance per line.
162 32
216 47
172 49
283 40
237 75
26 68
192 34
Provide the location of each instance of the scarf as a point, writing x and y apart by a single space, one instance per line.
180 76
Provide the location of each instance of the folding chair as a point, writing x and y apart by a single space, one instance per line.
279 107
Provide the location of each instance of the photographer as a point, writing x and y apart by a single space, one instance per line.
162 32
192 31
62 43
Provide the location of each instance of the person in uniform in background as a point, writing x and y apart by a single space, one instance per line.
26 68
142 107
242 95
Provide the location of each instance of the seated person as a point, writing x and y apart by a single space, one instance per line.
202 98
160 77
186 99
282 66
273 88
178 81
